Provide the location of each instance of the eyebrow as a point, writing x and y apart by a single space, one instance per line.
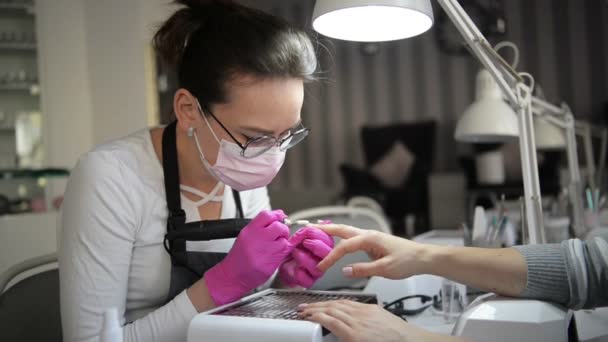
267 132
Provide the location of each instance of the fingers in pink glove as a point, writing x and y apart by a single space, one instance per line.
307 261
287 272
276 230
317 247
266 217
304 279
311 233
293 275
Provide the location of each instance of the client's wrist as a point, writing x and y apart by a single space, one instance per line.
431 257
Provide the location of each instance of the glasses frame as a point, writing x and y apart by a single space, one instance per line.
276 142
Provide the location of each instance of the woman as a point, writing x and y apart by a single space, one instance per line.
573 273
147 219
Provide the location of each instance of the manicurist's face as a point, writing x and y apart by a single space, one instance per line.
254 107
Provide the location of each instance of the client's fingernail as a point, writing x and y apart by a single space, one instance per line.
302 306
348 271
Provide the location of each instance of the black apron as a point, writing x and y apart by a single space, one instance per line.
187 267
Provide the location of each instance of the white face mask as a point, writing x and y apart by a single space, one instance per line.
238 172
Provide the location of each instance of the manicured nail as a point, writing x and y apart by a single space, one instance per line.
302 306
347 271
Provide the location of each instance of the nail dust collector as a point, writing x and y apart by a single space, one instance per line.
268 316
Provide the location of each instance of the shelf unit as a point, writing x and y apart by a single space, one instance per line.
18 78
17 8
17 46
33 88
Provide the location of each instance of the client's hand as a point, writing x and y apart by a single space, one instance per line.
352 322
393 257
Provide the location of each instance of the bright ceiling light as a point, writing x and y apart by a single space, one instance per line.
372 21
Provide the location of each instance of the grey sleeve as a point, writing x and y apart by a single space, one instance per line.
573 273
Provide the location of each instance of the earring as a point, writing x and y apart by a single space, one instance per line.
190 132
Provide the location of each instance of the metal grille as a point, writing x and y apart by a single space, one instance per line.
284 305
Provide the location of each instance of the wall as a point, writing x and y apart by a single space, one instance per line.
564 43
63 69
95 72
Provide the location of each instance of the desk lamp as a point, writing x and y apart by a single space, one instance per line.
588 132
384 20
549 118
556 128
489 119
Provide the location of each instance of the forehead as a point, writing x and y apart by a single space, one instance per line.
269 101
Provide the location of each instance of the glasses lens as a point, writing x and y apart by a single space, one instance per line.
294 139
258 146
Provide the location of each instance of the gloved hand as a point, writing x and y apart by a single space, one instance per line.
310 246
258 251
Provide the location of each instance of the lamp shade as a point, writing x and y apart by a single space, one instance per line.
489 119
548 136
372 21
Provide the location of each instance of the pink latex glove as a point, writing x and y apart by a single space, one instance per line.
258 251
310 246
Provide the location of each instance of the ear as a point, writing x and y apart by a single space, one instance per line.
186 110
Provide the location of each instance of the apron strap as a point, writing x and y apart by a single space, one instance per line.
239 206
177 215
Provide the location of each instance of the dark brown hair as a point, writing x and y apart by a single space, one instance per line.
211 41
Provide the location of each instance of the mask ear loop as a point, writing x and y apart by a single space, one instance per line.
201 155
200 150
191 134
200 109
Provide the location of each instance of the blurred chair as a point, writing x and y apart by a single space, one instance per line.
398 161
29 301
363 218
292 200
365 202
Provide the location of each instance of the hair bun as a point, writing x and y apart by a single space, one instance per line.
172 37
202 4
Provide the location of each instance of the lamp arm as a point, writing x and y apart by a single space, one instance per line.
557 116
501 71
563 117
575 190
519 95
539 106
589 132
551 113
584 130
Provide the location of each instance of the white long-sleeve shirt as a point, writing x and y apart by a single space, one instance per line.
111 250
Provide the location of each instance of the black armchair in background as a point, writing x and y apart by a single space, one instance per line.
398 162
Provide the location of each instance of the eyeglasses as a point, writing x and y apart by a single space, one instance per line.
259 145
